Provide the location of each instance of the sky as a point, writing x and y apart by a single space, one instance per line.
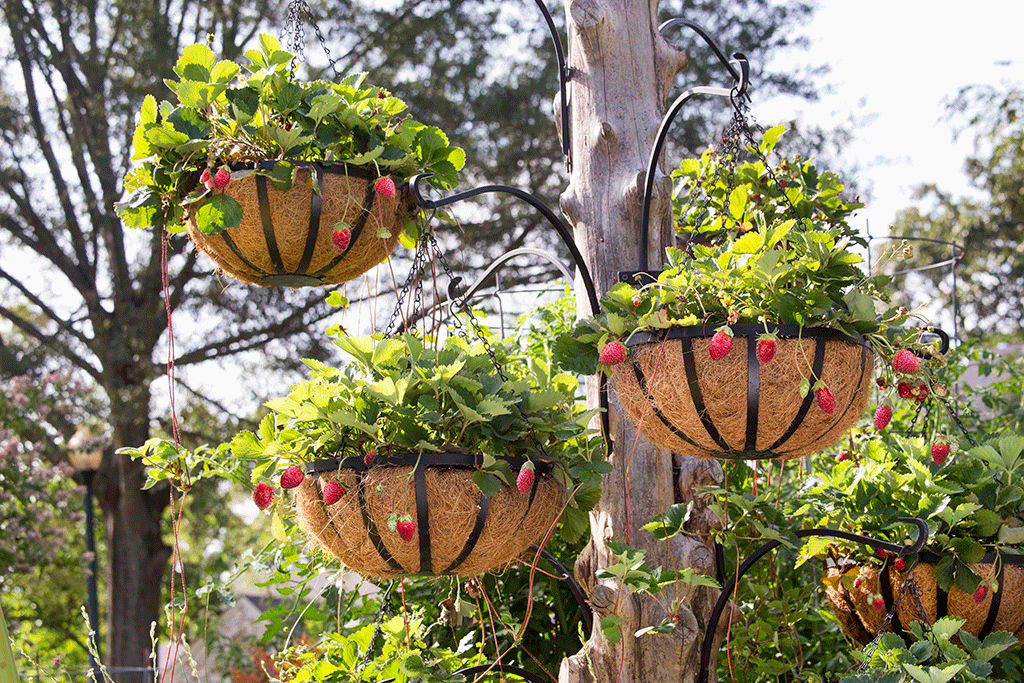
893 62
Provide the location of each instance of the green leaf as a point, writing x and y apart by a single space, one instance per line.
195 63
218 213
738 202
488 483
934 674
611 626
749 243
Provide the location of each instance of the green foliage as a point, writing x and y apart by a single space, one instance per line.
933 658
973 503
230 115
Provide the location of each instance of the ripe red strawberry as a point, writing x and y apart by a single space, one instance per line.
613 353
905 362
879 603
905 390
767 344
263 495
721 344
221 178
385 187
406 527
900 564
205 179
921 393
333 491
979 594
525 478
857 582
882 383
940 451
882 416
292 477
826 401
843 455
369 457
882 553
341 238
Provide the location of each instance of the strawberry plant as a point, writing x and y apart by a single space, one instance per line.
765 249
973 501
226 116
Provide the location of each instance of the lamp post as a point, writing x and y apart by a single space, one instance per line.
86 459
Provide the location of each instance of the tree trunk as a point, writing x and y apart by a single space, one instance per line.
622 72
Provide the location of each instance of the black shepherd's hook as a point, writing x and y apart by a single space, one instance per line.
564 73
738 68
728 586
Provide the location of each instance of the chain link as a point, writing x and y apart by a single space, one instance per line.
957 422
910 588
375 644
295 31
459 304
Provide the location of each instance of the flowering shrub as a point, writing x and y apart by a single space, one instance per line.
37 492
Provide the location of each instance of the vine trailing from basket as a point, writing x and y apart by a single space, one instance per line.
227 116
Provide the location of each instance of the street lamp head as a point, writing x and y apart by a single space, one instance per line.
85 450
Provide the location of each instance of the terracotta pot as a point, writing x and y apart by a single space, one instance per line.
1000 610
457 529
285 236
736 408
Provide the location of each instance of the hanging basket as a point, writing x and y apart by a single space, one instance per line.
458 530
1001 610
285 236
736 408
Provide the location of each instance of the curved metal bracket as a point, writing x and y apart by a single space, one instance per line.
560 228
564 74
739 69
728 586
577 592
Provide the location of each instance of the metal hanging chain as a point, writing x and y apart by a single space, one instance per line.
957 422
737 135
295 34
459 303
910 588
375 639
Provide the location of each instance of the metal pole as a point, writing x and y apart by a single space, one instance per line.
92 604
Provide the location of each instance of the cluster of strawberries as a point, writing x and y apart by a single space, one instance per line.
263 495
217 181
385 187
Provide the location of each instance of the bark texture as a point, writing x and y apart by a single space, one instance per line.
622 72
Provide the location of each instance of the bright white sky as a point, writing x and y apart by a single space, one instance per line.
893 62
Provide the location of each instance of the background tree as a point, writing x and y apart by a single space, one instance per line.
990 277
84 290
